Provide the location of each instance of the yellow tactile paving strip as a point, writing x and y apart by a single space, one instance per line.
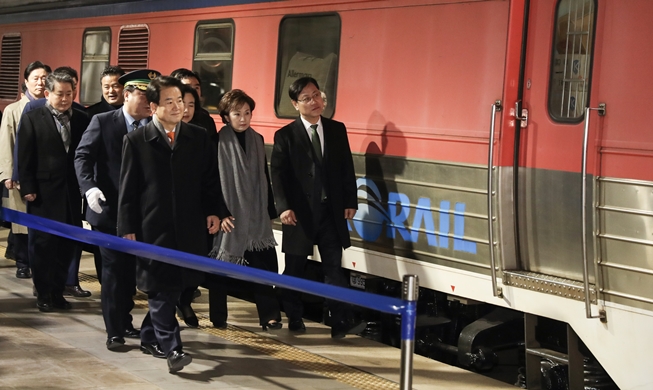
314 363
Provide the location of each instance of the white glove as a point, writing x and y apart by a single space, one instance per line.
94 196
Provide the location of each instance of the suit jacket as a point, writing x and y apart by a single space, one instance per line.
46 169
297 180
97 164
100 107
165 196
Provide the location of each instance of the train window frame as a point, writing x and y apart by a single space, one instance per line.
10 68
561 86
330 64
89 84
128 57
214 87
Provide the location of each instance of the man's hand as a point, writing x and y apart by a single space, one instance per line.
30 197
9 184
94 196
130 236
213 224
227 224
349 213
288 218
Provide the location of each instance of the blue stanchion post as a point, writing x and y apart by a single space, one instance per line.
410 293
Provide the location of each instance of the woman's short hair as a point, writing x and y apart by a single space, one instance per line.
231 101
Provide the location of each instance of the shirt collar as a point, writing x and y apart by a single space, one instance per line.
307 124
130 119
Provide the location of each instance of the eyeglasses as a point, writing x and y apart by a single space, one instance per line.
314 97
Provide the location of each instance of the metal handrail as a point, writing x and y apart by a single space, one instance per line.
583 206
496 106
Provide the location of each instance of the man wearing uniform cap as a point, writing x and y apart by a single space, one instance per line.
97 165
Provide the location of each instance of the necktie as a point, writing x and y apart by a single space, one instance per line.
135 125
65 130
315 140
171 135
317 148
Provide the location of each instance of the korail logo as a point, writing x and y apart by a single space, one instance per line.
394 216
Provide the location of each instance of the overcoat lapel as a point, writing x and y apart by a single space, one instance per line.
48 120
299 133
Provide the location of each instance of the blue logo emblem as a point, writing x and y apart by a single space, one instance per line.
372 217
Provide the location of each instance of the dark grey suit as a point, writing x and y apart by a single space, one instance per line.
297 180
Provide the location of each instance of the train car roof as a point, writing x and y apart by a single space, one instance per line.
22 11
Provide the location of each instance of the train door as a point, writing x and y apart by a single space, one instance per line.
556 90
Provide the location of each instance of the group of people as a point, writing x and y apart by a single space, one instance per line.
151 167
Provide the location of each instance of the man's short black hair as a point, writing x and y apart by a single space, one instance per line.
185 88
36 65
112 71
183 73
67 70
298 85
153 92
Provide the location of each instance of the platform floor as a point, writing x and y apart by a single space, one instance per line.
65 350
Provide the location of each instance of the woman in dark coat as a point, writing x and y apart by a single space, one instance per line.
246 231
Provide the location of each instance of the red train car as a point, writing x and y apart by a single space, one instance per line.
499 150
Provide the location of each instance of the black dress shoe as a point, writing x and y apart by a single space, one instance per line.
189 316
274 325
177 360
296 326
153 349
115 343
23 273
59 302
220 324
133 333
44 304
341 329
76 291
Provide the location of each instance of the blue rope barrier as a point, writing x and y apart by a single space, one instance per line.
377 302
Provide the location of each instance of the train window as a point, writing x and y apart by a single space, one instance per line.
572 57
213 60
95 57
10 66
308 46
133 47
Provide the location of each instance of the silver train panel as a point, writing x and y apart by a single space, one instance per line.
436 212
550 223
425 210
625 233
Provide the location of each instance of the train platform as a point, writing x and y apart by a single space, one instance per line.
66 350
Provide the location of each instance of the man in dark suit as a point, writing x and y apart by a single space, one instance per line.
169 196
46 147
97 163
315 193
72 281
112 91
112 99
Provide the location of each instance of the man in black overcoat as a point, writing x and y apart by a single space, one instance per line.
112 99
46 143
97 163
169 196
315 193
